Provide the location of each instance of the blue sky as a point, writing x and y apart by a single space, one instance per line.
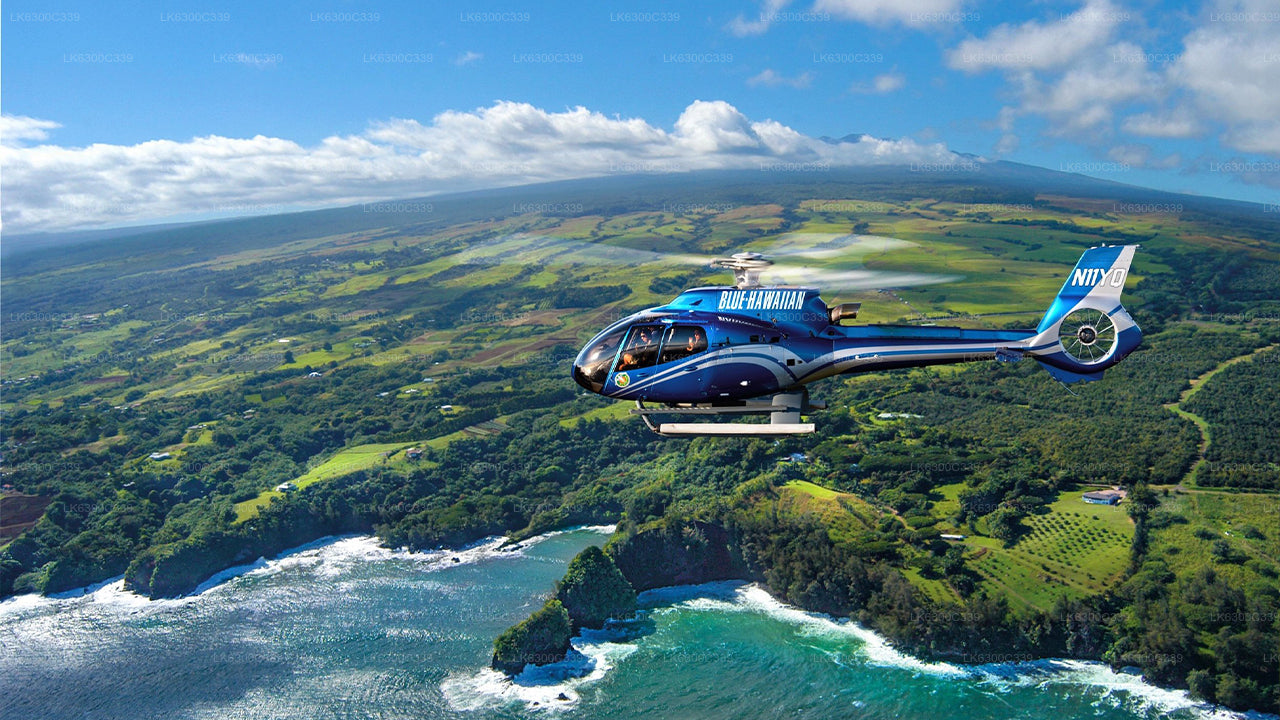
141 112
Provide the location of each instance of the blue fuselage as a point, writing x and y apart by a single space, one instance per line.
714 345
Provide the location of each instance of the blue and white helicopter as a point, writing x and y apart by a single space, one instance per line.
751 349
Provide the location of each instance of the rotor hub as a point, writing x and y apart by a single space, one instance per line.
746 267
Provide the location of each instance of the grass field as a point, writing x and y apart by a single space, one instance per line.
813 490
846 516
1073 550
612 411
945 504
344 462
1248 522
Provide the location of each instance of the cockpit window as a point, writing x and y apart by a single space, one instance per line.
682 341
594 362
641 349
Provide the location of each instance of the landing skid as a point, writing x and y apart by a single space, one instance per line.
784 418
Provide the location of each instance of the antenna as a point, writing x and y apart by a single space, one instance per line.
746 267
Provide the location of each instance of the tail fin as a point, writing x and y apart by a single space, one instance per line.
1086 330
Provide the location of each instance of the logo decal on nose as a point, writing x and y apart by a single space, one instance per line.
622 379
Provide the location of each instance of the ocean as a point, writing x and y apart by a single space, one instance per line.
343 628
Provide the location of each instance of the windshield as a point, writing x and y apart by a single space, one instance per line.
592 366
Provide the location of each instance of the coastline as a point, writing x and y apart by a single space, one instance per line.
597 652
602 652
492 545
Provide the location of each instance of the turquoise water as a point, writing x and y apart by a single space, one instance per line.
345 629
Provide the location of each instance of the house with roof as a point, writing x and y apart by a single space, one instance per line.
1103 497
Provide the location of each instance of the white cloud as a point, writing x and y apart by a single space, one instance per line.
1142 156
889 82
1079 74
50 187
1040 45
1231 69
880 84
1263 138
468 57
742 27
1071 70
770 78
915 13
1084 98
1177 124
18 129
1007 144
882 12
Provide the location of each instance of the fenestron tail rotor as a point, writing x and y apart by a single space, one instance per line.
1087 335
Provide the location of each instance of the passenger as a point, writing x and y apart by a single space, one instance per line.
696 342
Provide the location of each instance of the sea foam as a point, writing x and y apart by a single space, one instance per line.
733 596
554 686
1111 688
1114 689
328 557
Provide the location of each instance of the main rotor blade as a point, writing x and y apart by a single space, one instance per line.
857 279
548 250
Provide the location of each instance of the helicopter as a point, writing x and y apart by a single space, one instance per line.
752 349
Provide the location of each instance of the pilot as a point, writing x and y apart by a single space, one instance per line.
642 341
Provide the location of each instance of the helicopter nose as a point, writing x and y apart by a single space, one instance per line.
593 381
580 377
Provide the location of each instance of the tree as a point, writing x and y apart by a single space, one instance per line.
1200 682
1005 523
594 590
1222 552
953 561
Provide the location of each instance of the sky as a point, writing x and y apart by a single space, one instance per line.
139 112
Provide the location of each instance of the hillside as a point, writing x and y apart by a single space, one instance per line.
318 348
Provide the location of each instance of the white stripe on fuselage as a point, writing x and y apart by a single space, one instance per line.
722 357
841 360
836 361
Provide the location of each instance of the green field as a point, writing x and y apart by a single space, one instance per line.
343 462
846 516
1247 522
812 490
364 457
1071 549
612 411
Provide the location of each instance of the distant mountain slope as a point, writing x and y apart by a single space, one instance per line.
157 247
